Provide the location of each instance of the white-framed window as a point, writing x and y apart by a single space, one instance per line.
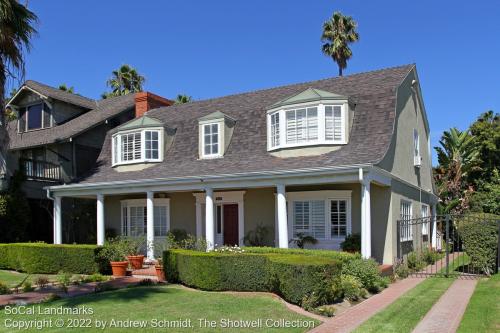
275 129
426 220
416 148
211 140
137 146
307 125
134 217
406 226
324 215
33 117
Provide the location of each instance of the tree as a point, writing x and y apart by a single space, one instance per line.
124 80
486 130
338 32
181 99
16 31
64 87
457 156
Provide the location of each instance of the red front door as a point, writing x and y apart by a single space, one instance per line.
231 224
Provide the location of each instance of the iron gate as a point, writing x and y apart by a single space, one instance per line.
449 245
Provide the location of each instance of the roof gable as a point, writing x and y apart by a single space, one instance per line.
143 121
215 115
308 95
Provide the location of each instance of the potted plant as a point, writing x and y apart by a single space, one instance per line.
302 240
159 248
135 248
114 252
352 243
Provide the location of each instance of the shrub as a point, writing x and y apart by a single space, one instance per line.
352 243
42 281
49 259
366 270
116 249
479 235
96 277
64 280
401 271
27 287
352 289
295 277
414 261
430 256
4 289
325 310
334 255
302 240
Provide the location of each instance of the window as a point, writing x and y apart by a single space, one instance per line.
406 227
211 140
301 125
137 146
134 217
416 148
338 213
305 126
426 221
275 129
34 117
324 215
333 123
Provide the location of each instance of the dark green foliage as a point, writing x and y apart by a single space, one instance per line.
290 275
257 237
414 261
351 287
352 243
366 270
27 286
14 212
479 235
336 255
49 259
4 289
302 240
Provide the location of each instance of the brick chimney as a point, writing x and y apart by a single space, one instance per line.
145 101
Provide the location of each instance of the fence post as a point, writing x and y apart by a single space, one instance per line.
447 245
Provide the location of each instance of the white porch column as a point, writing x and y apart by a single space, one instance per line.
282 219
434 227
209 218
366 224
150 226
100 219
199 231
57 221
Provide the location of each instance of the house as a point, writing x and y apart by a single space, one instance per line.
56 138
325 158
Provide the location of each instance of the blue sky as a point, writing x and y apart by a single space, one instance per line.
214 48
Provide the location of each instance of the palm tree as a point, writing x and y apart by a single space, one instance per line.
64 87
457 155
16 31
338 32
124 80
181 99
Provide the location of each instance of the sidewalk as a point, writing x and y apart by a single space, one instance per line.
446 314
358 314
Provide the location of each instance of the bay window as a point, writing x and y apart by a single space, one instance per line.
316 124
137 146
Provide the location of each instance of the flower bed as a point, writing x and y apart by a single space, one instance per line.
49 259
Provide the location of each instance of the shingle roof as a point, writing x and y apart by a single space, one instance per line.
372 130
308 95
103 109
61 95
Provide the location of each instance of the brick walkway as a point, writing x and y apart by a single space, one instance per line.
358 314
446 314
75 290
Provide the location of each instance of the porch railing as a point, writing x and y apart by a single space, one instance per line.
41 170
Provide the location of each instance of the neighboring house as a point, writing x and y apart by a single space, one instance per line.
325 158
56 138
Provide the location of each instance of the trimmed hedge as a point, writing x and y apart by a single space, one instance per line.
50 259
334 255
293 276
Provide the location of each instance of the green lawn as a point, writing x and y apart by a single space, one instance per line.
167 303
483 312
15 278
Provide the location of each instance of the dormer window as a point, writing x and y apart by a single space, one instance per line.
215 132
139 141
313 117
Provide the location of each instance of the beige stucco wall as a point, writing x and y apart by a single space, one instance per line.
409 115
259 209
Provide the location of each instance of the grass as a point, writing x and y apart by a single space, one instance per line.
15 278
407 311
168 303
483 311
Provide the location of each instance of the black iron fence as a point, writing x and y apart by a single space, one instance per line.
466 245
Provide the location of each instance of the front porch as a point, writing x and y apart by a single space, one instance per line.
327 209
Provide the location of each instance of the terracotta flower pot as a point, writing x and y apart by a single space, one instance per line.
136 261
160 273
119 268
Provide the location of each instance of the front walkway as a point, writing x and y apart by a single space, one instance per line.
446 314
358 314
